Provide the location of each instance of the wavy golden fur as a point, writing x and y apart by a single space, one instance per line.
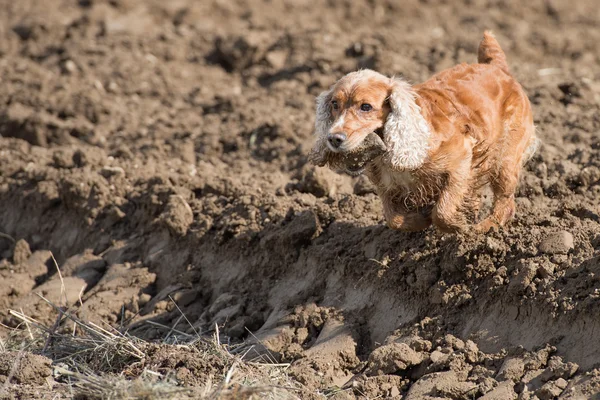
463 128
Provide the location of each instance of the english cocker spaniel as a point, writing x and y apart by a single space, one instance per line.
431 147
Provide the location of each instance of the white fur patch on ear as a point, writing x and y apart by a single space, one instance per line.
323 122
406 132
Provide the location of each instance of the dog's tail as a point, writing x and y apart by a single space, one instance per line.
490 52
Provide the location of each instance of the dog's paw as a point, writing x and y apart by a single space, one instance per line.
486 225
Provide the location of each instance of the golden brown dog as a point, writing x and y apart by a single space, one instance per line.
466 127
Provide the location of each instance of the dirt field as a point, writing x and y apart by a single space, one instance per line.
157 151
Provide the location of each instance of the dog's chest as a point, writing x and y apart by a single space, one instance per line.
388 180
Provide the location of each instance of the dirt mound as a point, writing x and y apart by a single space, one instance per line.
155 154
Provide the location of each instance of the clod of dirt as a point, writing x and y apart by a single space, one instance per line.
17 121
512 369
558 369
298 233
122 284
363 186
589 176
37 265
582 387
24 368
523 278
61 292
334 352
21 252
441 385
86 266
380 386
504 391
391 358
235 53
178 215
557 243
551 390
321 182
15 284
82 157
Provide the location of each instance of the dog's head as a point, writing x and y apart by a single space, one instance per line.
366 102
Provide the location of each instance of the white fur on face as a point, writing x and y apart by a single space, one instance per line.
339 123
406 132
337 126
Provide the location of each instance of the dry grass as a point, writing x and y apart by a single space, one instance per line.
97 362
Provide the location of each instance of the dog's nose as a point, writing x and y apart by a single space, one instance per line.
336 139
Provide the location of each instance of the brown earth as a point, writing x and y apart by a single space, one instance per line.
156 152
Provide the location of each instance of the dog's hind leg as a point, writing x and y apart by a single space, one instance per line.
519 145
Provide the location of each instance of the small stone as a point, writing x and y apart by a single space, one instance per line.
557 243
98 85
112 87
69 67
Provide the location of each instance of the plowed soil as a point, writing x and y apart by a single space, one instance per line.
157 151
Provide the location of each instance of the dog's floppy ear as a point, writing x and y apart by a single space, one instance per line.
323 121
406 133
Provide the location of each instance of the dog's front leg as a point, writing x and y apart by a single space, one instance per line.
448 213
398 217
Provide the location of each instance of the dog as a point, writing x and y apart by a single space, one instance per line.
443 140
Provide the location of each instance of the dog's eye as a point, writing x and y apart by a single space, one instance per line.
334 105
366 107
